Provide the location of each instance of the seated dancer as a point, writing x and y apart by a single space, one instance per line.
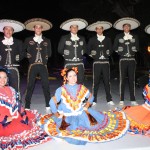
139 116
76 122
18 128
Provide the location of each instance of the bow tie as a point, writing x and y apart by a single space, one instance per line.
74 38
100 38
8 41
38 39
127 37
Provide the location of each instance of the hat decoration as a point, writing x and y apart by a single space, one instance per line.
81 23
29 24
16 25
105 24
134 23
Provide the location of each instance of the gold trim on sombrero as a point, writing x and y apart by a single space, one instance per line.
81 23
16 25
127 20
147 29
38 21
105 24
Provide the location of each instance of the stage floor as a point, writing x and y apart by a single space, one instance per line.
128 142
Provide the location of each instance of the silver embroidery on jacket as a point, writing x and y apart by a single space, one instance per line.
66 52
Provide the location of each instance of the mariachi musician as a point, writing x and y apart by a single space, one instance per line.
38 50
100 49
72 46
11 50
126 44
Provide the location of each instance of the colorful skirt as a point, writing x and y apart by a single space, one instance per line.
139 117
110 126
18 136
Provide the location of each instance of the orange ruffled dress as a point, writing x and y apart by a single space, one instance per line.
139 116
22 132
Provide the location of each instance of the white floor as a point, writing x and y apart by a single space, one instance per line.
128 142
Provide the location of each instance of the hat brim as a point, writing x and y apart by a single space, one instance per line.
46 25
106 25
147 29
16 25
81 23
133 22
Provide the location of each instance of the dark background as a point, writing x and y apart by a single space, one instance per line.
58 11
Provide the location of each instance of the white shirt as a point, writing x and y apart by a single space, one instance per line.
74 37
127 36
100 37
8 41
38 38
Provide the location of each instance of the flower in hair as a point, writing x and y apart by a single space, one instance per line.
75 69
63 73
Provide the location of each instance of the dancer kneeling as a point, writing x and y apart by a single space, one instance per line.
74 120
18 128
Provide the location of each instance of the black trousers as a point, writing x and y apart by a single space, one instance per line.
104 69
127 68
80 66
33 71
14 79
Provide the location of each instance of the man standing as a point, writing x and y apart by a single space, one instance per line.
11 50
126 45
38 50
100 49
72 46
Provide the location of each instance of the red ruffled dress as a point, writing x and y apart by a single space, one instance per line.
22 132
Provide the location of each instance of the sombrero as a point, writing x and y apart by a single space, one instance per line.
106 25
81 23
127 20
16 25
147 29
29 24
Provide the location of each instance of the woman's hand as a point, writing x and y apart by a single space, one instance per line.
58 115
61 115
85 108
6 121
9 119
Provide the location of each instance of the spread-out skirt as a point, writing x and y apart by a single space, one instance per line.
91 126
19 136
139 117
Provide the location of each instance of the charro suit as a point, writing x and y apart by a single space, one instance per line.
73 51
100 51
127 48
37 55
10 55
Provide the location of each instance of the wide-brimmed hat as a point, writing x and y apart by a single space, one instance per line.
105 24
81 23
16 25
127 20
147 29
29 24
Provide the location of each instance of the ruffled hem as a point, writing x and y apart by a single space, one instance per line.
25 139
139 119
116 127
139 128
